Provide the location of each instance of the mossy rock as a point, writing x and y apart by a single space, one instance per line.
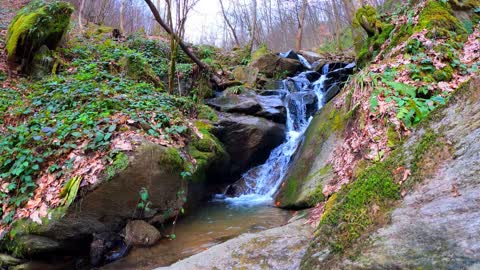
261 51
438 18
110 204
206 113
309 170
39 23
208 153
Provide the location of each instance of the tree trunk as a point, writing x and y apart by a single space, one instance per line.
80 25
301 20
173 50
122 16
253 28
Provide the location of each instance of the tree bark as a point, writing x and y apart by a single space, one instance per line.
301 20
82 5
122 16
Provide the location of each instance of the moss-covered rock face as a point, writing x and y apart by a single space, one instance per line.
377 33
440 158
310 170
438 18
152 167
209 154
39 23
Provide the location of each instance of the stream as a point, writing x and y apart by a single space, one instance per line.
225 217
209 225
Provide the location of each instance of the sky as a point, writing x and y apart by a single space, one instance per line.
206 14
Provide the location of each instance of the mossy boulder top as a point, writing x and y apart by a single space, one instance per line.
37 24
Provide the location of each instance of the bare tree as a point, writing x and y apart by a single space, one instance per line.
122 16
300 22
80 11
229 24
215 79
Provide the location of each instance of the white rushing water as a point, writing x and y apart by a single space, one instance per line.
263 181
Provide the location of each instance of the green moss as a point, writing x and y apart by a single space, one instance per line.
464 4
437 17
329 121
207 151
394 138
261 51
358 206
207 113
428 140
120 163
290 191
171 160
11 242
39 23
136 66
444 74
315 196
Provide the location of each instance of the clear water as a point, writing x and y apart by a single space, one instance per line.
203 228
263 181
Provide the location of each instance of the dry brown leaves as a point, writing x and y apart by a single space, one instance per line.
315 215
89 166
368 140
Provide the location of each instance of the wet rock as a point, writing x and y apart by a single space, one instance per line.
104 245
309 102
249 103
312 76
32 245
280 248
310 56
272 92
236 189
244 184
272 108
113 202
273 65
244 103
140 233
309 170
7 261
331 93
248 139
290 55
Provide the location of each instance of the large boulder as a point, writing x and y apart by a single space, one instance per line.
421 202
151 168
249 103
246 75
248 139
37 24
273 65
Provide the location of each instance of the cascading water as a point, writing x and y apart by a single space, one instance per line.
263 181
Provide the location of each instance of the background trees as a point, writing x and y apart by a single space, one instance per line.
279 24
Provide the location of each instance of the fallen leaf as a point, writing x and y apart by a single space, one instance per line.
454 191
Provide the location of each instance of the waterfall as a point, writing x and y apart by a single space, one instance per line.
264 180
